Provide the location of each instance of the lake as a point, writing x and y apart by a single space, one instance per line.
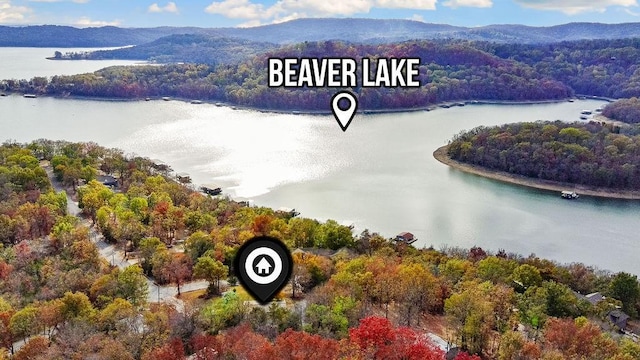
25 63
379 174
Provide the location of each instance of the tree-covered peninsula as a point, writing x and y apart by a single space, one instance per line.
625 110
592 154
449 71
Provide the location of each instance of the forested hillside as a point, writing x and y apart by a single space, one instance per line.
372 31
374 298
448 71
625 110
190 48
67 36
589 154
609 68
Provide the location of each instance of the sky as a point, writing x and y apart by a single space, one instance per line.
243 13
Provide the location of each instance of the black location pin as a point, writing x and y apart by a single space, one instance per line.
263 266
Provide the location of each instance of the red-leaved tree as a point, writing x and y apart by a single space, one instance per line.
377 338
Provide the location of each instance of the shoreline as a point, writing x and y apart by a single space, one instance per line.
441 155
429 107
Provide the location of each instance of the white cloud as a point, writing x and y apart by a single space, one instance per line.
87 22
171 7
11 14
284 10
54 1
406 4
416 17
468 3
572 7
236 9
632 13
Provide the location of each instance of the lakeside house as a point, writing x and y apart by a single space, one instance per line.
108 180
616 317
405 237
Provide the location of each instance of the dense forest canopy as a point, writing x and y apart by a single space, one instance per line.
588 154
625 110
451 70
371 299
191 48
609 68
448 71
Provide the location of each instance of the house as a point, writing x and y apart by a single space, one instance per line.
263 267
618 318
107 180
405 237
594 298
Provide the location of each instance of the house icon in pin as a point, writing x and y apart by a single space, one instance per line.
263 266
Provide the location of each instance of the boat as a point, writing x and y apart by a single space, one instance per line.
210 190
30 96
3 94
147 99
599 110
569 195
586 112
166 98
183 178
196 102
584 117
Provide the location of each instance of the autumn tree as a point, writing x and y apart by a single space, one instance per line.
625 288
25 322
376 338
133 285
416 291
579 338
222 313
175 269
471 315
147 249
211 270
33 349
294 345
172 351
197 244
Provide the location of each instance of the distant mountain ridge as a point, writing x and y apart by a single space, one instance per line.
192 48
352 30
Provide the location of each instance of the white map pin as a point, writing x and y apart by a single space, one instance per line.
344 117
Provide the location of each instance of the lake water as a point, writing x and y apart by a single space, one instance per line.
379 174
25 63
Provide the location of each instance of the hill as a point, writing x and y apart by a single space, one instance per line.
353 30
67 36
581 154
449 71
193 48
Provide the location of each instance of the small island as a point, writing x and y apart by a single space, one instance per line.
595 159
